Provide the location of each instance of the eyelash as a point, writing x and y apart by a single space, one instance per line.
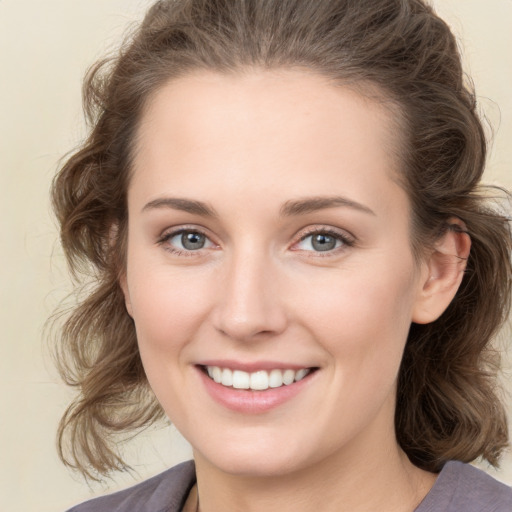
346 241
180 252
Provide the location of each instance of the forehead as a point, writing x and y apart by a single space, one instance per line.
204 98
260 126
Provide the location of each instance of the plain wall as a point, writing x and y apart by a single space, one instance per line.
45 47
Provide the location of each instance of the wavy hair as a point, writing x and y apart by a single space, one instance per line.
448 406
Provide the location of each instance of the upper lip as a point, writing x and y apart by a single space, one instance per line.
253 366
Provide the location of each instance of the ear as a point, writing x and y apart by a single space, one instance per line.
123 283
442 273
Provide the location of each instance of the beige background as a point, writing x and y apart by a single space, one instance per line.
45 47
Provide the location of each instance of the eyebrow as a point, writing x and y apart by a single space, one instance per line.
185 205
313 204
289 209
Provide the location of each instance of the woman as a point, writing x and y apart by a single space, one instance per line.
280 205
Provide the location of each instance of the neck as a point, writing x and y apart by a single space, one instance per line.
369 478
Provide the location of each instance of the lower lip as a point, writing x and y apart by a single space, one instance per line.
253 402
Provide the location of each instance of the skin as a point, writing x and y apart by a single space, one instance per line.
246 145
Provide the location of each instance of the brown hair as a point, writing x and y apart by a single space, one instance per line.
447 404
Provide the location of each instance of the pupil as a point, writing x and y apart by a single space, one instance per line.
192 241
323 242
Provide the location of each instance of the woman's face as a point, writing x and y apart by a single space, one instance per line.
269 241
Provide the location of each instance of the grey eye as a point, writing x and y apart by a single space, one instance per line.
192 240
323 242
186 241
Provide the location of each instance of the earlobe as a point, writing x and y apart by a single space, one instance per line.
443 273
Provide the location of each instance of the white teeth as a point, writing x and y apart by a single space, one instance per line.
241 380
257 381
301 374
227 377
275 379
217 374
288 377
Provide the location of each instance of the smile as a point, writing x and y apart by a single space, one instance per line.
257 381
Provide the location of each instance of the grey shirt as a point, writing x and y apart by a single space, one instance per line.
458 488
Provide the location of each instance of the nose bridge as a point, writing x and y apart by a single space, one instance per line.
249 300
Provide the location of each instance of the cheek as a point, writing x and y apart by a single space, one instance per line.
168 309
364 313
167 305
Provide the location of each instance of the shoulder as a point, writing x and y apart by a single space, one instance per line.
165 492
463 487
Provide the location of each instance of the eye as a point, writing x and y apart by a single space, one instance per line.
323 241
186 240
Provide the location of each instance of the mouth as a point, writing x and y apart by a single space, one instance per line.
259 380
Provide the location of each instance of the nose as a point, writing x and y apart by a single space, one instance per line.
249 305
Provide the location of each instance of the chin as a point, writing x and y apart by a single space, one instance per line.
255 460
